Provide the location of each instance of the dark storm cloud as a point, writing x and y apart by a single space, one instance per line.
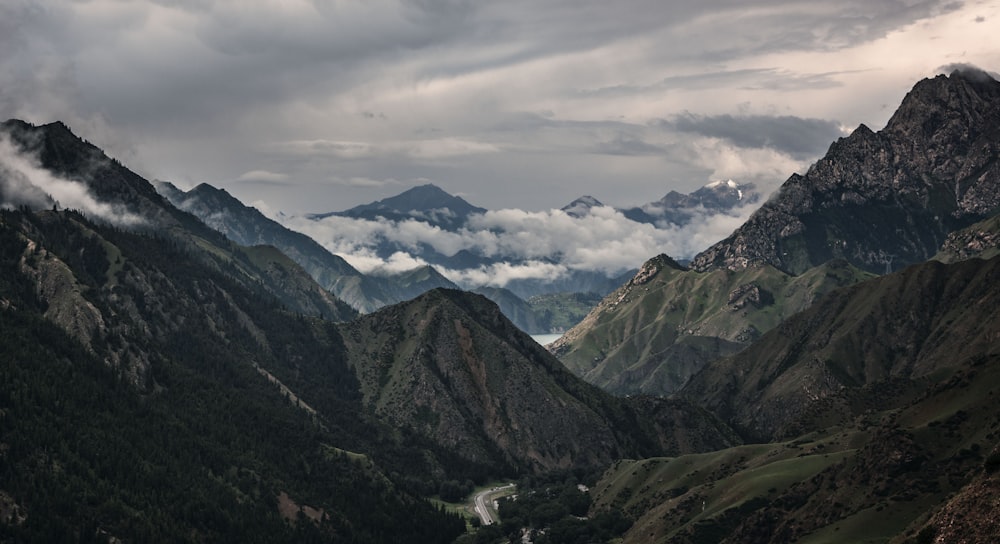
793 135
203 90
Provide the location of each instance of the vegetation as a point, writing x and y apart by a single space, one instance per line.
205 448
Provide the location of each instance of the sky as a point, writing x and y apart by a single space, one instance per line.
313 106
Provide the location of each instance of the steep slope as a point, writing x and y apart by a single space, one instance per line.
981 240
517 310
887 199
450 367
149 396
666 323
893 332
246 226
63 154
881 399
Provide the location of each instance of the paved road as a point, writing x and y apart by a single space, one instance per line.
484 500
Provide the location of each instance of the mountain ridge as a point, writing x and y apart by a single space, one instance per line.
887 199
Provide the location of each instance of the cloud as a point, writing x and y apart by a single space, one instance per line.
795 136
23 182
530 245
499 100
263 177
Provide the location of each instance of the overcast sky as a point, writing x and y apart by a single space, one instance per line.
313 106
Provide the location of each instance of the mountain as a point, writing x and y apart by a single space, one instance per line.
444 231
656 331
150 395
411 283
117 192
873 417
581 206
450 367
247 226
517 310
160 384
677 208
875 202
892 332
979 240
541 314
883 200
428 203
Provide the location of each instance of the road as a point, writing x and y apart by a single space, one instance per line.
484 501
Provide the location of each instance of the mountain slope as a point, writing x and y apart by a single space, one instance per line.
981 240
450 367
915 325
143 402
873 416
887 199
660 328
245 225
112 185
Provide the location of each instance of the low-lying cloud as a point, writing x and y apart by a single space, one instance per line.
23 182
528 245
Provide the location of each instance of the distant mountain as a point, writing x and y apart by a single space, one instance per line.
428 203
581 206
460 237
515 308
678 209
887 199
246 225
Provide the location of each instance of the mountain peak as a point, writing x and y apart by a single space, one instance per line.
428 203
581 206
883 200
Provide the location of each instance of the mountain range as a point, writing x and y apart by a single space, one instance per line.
876 202
366 293
162 381
472 245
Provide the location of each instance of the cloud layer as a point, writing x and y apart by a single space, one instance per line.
532 245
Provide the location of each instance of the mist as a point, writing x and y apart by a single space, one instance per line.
24 182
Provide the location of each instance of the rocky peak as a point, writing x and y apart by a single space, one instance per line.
883 200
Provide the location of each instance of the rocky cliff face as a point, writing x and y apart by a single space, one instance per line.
882 200
980 240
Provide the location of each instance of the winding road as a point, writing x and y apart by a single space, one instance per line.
483 503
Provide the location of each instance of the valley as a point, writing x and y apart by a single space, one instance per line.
179 366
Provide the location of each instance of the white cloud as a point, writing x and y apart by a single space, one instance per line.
24 182
262 176
439 89
536 245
